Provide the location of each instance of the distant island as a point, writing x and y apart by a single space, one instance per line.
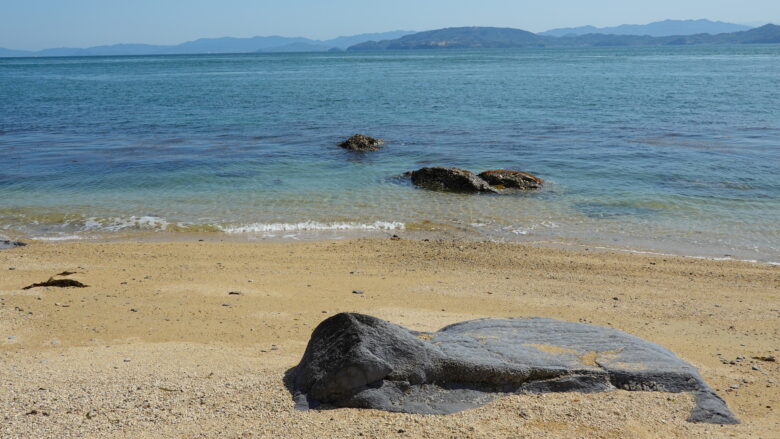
662 33
215 45
663 28
494 38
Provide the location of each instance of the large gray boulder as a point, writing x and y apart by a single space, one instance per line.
359 361
450 179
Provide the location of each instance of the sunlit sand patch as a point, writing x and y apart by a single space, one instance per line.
550 349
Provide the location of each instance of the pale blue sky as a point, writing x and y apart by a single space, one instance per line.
36 24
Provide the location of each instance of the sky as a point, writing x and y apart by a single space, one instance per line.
39 24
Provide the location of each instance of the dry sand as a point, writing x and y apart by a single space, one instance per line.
155 347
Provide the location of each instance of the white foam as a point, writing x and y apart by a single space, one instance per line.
116 224
312 226
654 253
58 238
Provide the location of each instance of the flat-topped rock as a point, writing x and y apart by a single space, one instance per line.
450 179
359 361
360 142
504 178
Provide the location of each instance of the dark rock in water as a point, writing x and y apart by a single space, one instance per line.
359 361
359 142
512 179
450 179
59 283
4 244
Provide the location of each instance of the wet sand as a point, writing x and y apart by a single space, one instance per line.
156 346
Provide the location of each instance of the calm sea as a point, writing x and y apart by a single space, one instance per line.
660 149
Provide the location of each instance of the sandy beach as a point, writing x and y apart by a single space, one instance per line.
157 347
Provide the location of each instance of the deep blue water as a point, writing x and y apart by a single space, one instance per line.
668 149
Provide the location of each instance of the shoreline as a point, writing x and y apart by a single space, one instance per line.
156 346
441 234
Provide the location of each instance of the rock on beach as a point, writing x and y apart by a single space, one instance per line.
359 361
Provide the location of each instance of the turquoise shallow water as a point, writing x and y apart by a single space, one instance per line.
663 149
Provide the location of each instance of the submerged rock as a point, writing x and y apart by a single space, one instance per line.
359 361
359 142
5 244
511 179
450 179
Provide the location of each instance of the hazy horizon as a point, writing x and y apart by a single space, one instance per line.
86 23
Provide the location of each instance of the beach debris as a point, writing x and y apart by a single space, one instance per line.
59 283
359 361
450 179
360 142
395 238
235 293
133 309
511 179
358 292
67 273
34 412
767 358
6 244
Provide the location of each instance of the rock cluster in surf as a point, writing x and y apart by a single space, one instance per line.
450 179
359 361
460 180
505 179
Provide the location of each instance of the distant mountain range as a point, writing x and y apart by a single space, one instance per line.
215 45
669 32
492 37
657 29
